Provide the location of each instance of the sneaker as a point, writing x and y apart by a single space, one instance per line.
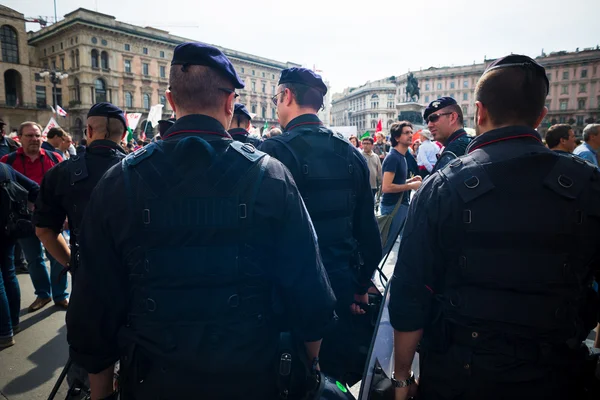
7 342
62 304
38 303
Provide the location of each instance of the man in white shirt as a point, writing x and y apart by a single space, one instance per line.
374 164
427 155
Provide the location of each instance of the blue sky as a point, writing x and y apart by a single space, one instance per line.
351 41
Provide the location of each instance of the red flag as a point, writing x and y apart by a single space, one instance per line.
379 127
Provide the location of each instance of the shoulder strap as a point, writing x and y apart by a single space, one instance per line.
467 177
77 169
569 176
229 169
11 158
52 156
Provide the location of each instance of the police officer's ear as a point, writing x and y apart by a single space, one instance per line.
482 117
169 96
90 131
288 97
541 117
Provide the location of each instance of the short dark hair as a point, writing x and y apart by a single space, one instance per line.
396 131
458 110
241 119
557 132
198 87
53 132
368 139
306 96
512 95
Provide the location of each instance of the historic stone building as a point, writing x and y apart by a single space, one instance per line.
574 96
17 76
365 105
108 60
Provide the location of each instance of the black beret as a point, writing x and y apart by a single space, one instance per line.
202 54
107 110
516 60
241 109
437 105
303 76
164 125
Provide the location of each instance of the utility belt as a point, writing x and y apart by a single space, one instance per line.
513 346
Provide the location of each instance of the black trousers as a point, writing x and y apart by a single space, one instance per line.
463 374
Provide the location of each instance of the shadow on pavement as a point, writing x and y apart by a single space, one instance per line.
41 315
47 360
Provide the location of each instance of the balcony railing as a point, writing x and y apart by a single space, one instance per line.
30 106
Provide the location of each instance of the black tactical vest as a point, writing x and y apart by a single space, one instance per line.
522 268
326 179
200 302
85 170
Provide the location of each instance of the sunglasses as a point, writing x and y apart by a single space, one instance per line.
434 117
274 98
230 91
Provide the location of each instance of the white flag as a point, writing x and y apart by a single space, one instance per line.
51 124
155 114
60 111
133 120
53 110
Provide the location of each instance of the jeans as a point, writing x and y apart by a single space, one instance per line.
10 293
397 224
45 285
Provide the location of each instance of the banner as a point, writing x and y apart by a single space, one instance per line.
155 114
133 120
60 111
51 124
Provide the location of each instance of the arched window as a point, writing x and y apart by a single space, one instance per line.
163 100
146 101
94 58
100 91
128 100
373 124
374 97
77 90
12 88
77 58
10 44
374 101
104 60
390 122
72 59
78 129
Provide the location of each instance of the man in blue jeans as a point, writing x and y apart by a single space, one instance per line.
395 186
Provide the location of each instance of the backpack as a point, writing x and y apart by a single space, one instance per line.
15 216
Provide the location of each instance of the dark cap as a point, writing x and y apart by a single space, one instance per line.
202 54
437 105
164 125
519 61
107 110
303 76
241 110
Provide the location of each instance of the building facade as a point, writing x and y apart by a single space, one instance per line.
574 96
17 76
128 65
365 105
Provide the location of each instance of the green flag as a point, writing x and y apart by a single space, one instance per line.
366 135
129 134
266 126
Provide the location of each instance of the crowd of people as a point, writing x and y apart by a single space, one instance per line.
203 194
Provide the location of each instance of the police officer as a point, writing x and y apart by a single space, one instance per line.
164 125
183 288
65 192
333 178
66 189
444 120
495 280
240 124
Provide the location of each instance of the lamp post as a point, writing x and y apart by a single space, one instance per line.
55 78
